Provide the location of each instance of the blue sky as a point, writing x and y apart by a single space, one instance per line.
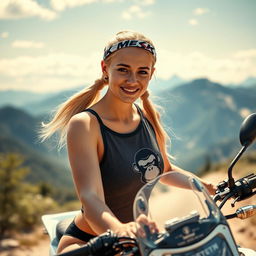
52 45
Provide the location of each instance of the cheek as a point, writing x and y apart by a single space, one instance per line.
145 80
115 78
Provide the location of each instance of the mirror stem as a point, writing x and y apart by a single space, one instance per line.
231 181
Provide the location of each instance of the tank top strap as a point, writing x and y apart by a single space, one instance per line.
96 115
144 120
102 128
140 111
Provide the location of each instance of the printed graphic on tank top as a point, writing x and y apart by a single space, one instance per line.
130 160
147 163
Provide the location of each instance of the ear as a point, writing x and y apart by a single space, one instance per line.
104 67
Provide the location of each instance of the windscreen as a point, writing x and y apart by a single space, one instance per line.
169 201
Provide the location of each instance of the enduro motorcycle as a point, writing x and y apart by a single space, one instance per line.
193 225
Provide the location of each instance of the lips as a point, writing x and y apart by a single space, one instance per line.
129 90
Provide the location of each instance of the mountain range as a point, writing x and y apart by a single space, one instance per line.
202 118
19 134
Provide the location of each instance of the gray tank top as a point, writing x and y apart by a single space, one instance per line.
130 160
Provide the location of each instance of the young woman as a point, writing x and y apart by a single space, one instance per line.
114 146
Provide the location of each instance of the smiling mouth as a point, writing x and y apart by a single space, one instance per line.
129 91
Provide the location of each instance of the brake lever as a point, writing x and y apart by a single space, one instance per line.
235 200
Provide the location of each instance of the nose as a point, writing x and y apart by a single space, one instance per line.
132 79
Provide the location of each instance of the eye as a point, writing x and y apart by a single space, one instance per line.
122 70
143 72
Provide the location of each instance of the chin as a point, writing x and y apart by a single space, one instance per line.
128 99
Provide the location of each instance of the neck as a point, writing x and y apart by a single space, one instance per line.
114 109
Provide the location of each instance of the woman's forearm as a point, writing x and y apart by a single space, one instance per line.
209 186
181 180
98 215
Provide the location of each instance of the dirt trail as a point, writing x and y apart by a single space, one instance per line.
39 249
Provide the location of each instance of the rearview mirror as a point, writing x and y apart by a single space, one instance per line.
248 130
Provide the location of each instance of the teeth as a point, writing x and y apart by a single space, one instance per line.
130 90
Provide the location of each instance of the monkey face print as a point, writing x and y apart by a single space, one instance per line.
147 163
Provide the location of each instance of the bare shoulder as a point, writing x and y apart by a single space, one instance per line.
83 123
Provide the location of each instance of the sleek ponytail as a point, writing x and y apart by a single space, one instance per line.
75 104
154 118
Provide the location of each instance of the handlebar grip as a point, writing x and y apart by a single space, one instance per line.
252 182
96 246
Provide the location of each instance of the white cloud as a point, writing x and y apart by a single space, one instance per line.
17 9
224 70
145 2
201 11
61 5
197 12
27 44
111 1
251 53
4 35
49 73
193 22
135 11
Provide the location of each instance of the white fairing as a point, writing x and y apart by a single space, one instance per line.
50 222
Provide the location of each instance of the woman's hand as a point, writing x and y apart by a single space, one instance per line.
211 188
127 229
143 221
133 229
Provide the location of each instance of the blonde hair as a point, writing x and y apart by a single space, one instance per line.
87 97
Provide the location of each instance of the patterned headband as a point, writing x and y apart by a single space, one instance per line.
129 43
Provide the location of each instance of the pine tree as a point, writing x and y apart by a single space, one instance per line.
12 175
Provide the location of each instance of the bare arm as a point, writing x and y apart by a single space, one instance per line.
182 177
82 143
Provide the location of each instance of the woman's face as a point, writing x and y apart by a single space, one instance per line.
129 72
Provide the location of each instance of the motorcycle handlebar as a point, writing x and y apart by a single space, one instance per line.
242 189
100 245
252 182
106 244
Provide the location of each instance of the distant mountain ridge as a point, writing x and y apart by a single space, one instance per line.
35 103
248 82
202 115
48 105
19 134
158 85
18 97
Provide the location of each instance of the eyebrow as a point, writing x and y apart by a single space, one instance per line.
125 65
